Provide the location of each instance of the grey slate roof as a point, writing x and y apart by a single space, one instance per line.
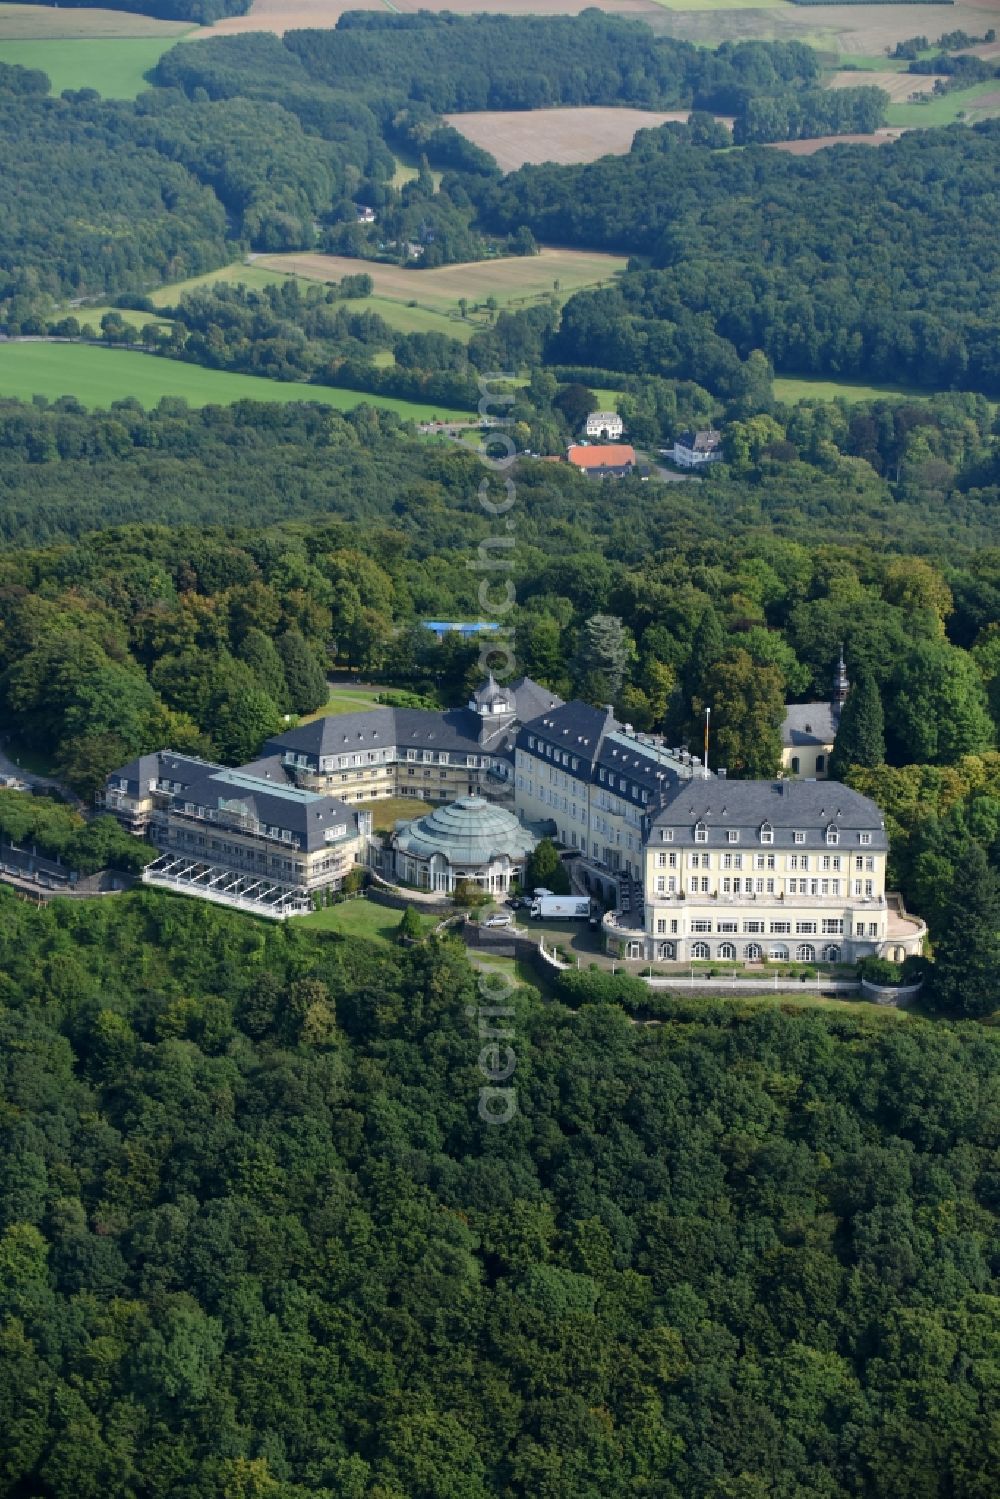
161 765
456 730
808 807
599 742
706 441
576 727
269 768
306 814
532 698
809 723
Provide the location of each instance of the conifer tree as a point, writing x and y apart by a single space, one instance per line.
304 676
861 733
965 979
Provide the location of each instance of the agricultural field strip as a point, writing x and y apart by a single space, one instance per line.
568 136
510 279
97 376
31 23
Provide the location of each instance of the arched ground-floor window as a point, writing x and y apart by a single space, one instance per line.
753 952
666 951
831 954
700 950
727 951
777 953
805 953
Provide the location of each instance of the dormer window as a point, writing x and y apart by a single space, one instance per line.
799 837
666 835
866 838
732 835
766 833
700 833
833 833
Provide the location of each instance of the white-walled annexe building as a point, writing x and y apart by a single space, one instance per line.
606 424
754 871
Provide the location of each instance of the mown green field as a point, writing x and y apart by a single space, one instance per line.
114 66
360 918
947 107
93 316
346 700
791 388
98 376
249 274
396 312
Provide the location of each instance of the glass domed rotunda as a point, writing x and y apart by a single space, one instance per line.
471 839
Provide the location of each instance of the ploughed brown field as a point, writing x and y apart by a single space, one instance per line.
899 86
293 15
814 143
567 136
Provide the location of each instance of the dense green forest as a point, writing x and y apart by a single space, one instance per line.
201 635
848 262
257 1240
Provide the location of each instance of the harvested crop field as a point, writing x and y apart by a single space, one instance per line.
899 86
30 23
863 30
567 136
290 15
814 143
515 278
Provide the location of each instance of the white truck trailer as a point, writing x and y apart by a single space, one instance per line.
560 908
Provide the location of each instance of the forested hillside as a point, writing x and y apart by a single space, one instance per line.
737 593
257 1241
849 262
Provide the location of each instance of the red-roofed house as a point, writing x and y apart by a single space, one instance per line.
614 460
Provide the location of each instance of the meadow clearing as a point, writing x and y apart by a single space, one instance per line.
980 102
107 50
97 376
793 388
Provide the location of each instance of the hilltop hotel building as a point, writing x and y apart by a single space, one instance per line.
694 866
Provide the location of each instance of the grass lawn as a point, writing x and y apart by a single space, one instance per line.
113 65
791 388
360 918
98 376
407 170
389 810
346 700
872 64
946 108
